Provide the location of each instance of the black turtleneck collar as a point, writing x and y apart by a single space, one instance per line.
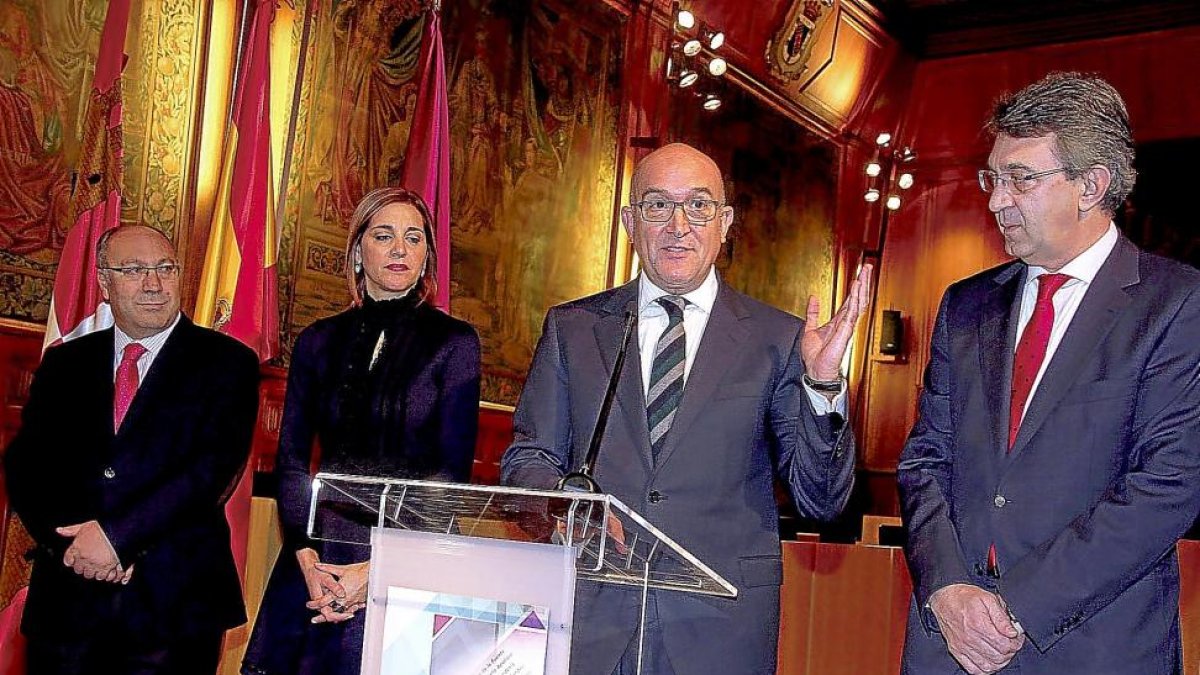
382 310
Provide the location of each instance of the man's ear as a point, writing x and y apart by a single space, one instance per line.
102 279
627 221
1096 180
726 217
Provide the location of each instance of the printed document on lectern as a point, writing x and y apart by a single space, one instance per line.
428 633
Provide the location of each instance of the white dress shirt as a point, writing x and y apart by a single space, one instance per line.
1082 270
153 345
653 320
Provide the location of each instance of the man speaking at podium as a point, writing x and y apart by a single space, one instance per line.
720 394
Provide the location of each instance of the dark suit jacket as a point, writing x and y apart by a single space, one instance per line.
158 487
1103 478
743 420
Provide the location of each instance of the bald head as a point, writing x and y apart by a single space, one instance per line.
136 231
672 159
684 185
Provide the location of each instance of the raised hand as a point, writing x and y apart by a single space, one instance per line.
822 347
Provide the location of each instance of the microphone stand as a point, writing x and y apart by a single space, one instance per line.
582 480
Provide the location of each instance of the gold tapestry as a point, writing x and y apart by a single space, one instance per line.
533 96
47 56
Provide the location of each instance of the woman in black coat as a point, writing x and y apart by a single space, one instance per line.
390 388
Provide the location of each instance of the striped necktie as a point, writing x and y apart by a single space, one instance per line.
666 373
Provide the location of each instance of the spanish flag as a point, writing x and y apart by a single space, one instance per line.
237 285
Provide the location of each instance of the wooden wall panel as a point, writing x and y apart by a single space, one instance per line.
843 609
1189 604
495 433
795 600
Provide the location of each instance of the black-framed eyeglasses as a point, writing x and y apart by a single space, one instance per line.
697 211
1018 182
167 271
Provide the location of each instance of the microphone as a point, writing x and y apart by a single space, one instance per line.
582 480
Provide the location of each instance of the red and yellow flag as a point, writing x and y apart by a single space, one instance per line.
238 285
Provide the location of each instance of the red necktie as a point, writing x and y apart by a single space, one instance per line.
127 382
1031 350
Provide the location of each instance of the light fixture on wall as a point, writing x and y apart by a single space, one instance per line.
692 62
889 172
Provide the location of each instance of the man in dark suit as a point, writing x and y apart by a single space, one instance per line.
1055 458
712 404
129 445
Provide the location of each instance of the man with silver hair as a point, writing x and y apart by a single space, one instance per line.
1053 463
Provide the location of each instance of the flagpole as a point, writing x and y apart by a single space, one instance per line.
293 121
243 25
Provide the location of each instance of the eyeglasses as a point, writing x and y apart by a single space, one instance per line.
697 211
165 271
1018 182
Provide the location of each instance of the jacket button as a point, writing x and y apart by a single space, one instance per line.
999 501
655 497
109 473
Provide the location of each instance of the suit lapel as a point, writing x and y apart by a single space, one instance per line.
1102 304
997 334
631 400
96 388
722 337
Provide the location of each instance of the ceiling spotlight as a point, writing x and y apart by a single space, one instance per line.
872 196
692 47
905 181
688 77
685 19
715 39
711 102
907 155
873 168
717 67
893 202
883 138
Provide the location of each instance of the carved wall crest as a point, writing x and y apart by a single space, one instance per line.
788 52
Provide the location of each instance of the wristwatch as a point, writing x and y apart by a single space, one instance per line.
824 386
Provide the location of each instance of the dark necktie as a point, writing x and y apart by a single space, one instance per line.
666 373
126 382
1031 350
